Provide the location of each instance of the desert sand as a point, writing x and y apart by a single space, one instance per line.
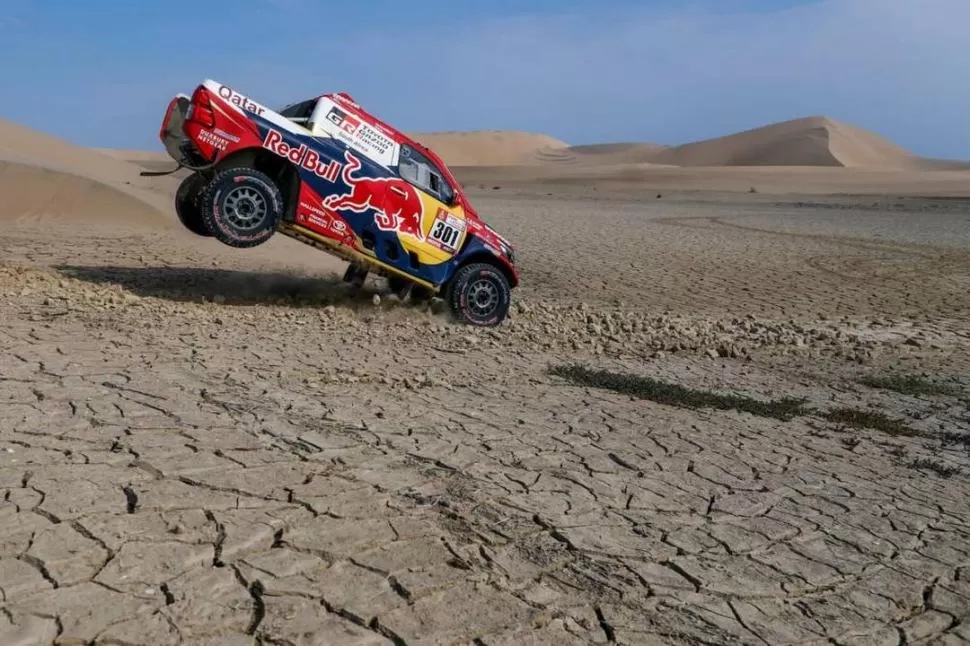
715 415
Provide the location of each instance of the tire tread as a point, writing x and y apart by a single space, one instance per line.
187 203
275 200
454 292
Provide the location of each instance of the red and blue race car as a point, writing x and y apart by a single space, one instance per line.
327 173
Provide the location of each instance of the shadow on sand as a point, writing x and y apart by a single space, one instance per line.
230 287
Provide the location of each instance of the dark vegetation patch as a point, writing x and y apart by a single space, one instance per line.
784 409
907 385
676 395
940 468
872 420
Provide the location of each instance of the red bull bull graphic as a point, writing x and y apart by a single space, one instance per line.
396 203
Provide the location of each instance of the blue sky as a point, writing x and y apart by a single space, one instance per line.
100 72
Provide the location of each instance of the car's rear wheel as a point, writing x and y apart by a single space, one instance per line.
480 294
241 207
187 204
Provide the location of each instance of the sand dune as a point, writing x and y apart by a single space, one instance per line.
812 141
46 180
491 148
630 153
806 142
134 156
35 196
814 155
458 149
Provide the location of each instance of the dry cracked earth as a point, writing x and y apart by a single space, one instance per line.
205 446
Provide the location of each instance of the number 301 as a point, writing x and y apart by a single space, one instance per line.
446 234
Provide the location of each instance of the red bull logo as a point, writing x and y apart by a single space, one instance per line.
397 204
302 156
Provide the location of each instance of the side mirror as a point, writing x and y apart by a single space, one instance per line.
455 198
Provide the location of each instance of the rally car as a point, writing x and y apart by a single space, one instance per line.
328 173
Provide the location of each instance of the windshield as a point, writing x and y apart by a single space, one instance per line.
299 112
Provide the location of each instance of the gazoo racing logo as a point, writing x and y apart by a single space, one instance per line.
302 156
342 120
240 101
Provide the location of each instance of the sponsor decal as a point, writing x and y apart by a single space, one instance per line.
310 211
343 97
373 139
213 140
360 135
488 235
225 135
343 120
240 101
320 218
302 156
446 231
396 204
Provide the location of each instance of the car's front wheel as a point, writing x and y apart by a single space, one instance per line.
479 294
242 207
187 204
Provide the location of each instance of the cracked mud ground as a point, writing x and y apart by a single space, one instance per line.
192 454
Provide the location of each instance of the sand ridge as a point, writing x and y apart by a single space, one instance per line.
489 148
45 180
810 142
805 142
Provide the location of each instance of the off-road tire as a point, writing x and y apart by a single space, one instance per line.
467 289
241 207
187 204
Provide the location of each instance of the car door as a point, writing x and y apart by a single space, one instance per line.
443 228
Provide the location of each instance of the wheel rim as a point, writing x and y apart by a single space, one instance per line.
245 208
482 297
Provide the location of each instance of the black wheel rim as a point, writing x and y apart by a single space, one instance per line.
482 297
245 208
